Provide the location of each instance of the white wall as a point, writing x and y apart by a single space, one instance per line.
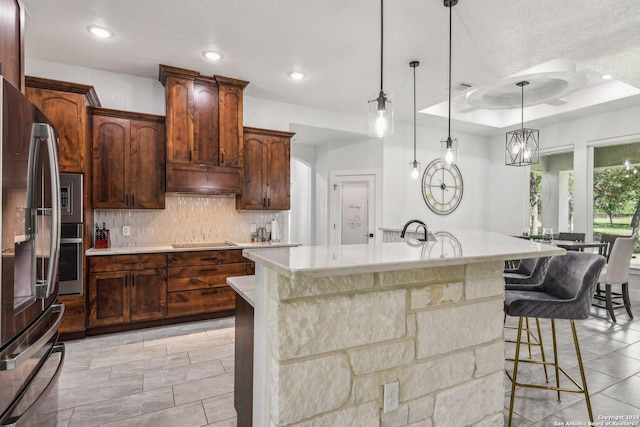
509 213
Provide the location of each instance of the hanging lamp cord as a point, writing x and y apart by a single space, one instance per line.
381 39
522 106
449 132
414 114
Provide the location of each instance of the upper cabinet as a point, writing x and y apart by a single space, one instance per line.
128 160
204 132
12 42
65 104
266 170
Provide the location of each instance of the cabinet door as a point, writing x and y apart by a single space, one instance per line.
67 113
205 124
179 120
231 140
253 195
148 294
147 156
12 41
111 162
108 298
277 171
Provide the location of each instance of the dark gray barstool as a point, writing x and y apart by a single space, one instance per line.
529 277
565 293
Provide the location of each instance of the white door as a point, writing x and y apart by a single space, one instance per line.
353 209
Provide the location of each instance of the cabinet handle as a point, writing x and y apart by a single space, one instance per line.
133 200
269 202
209 270
126 280
190 155
264 201
126 200
209 292
222 161
133 281
216 259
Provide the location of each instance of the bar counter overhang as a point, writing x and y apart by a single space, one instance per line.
333 324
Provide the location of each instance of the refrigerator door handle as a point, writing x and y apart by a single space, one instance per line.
23 418
11 360
43 132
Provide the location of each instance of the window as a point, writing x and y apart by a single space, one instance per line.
616 191
551 193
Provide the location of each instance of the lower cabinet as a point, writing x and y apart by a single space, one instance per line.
122 290
145 287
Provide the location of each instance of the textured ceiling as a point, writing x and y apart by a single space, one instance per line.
336 42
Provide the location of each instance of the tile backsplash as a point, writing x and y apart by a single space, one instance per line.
187 219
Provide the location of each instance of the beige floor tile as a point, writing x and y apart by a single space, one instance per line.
203 354
126 353
153 364
194 344
231 422
182 374
124 407
219 408
179 337
84 377
72 397
202 389
189 415
228 363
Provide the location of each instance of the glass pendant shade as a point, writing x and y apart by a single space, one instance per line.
415 169
522 147
381 114
449 150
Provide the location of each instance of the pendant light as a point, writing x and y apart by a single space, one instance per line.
521 144
449 146
381 103
415 166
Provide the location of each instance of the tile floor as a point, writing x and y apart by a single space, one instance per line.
182 376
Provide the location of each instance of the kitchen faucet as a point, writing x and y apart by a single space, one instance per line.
420 224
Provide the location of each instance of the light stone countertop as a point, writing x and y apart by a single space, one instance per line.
128 250
245 286
455 247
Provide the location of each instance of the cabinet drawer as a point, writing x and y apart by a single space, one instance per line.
203 179
126 262
185 303
251 268
188 259
199 277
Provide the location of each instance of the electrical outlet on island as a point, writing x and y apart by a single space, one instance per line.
126 230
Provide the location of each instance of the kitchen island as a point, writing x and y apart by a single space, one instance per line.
333 325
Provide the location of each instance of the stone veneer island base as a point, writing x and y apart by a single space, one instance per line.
334 324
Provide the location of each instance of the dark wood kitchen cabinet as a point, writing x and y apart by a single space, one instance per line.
128 160
127 288
12 42
204 132
65 104
266 170
197 281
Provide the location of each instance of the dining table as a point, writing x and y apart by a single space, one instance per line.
571 245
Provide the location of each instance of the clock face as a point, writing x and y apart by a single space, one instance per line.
442 187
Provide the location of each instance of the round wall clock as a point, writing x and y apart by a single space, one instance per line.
442 187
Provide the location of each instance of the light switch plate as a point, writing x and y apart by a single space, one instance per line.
126 230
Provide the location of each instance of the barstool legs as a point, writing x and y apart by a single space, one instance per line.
514 378
584 379
515 371
544 359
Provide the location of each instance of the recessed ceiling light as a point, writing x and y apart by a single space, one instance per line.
297 75
607 76
100 32
212 55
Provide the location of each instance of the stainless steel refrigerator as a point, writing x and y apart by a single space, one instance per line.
30 356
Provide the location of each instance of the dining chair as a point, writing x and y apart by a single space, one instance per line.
574 237
608 239
566 293
616 273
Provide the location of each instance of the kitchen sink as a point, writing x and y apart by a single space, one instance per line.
202 245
